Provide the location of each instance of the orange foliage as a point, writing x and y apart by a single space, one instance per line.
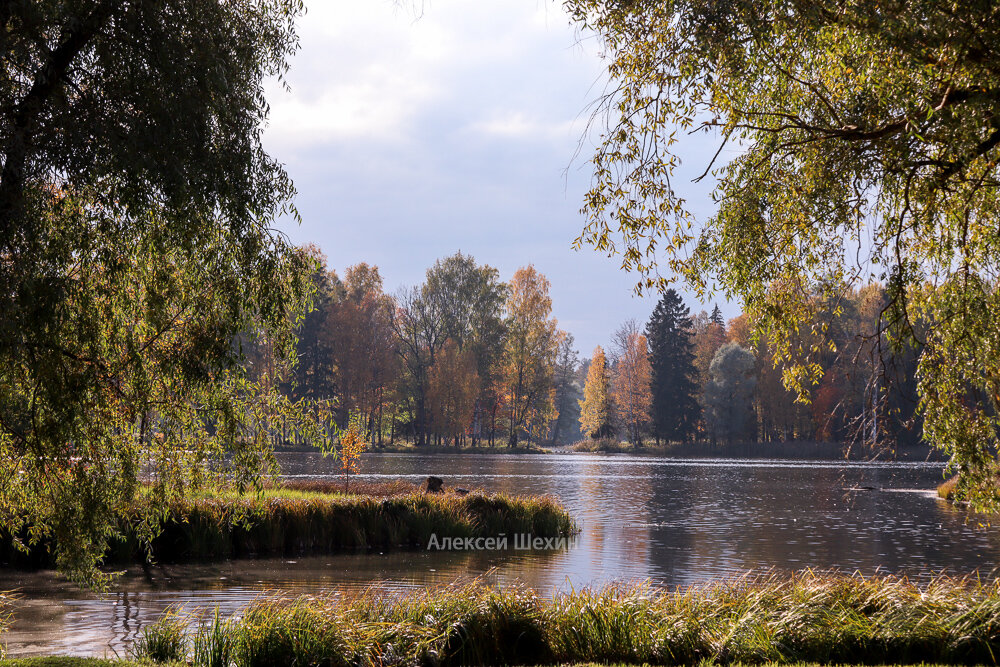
352 445
453 386
632 390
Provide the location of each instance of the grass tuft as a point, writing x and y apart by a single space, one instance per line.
829 619
947 489
163 641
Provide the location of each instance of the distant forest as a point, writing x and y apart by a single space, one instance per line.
466 359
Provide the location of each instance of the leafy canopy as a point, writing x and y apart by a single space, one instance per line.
138 267
864 138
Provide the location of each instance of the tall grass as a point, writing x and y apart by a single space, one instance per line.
809 617
308 518
6 602
163 641
298 522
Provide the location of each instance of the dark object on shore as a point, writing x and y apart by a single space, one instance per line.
434 485
460 491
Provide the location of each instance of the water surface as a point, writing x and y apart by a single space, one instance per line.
675 522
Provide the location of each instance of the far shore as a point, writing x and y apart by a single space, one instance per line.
791 450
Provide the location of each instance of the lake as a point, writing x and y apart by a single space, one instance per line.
672 521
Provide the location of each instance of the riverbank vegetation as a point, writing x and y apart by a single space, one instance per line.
317 518
808 617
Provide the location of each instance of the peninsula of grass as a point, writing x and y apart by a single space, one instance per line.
827 619
319 518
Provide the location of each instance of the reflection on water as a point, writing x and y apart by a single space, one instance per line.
673 521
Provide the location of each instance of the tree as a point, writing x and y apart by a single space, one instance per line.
728 395
363 348
528 363
315 371
453 386
631 381
596 408
706 339
418 328
352 446
137 258
674 407
568 393
470 299
869 147
716 317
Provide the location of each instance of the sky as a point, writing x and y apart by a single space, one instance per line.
412 133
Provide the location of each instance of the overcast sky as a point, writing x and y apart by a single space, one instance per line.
410 138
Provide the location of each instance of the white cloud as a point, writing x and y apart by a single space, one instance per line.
519 125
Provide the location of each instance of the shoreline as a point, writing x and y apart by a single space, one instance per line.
787 450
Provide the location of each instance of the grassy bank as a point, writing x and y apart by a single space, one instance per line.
807 618
316 518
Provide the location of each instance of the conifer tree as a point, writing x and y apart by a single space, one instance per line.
674 409
716 317
595 408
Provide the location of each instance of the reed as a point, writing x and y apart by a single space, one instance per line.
290 521
6 602
947 489
315 517
163 641
782 620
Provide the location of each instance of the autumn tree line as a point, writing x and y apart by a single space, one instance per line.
687 378
466 359
463 359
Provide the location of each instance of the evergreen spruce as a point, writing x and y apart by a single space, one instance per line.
716 317
674 409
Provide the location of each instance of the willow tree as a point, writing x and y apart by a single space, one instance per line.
855 142
137 259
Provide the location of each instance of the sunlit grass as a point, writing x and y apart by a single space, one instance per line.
826 619
947 489
299 521
317 517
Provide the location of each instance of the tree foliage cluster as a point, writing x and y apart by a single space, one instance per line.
710 380
463 359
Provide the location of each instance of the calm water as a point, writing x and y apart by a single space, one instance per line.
672 521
